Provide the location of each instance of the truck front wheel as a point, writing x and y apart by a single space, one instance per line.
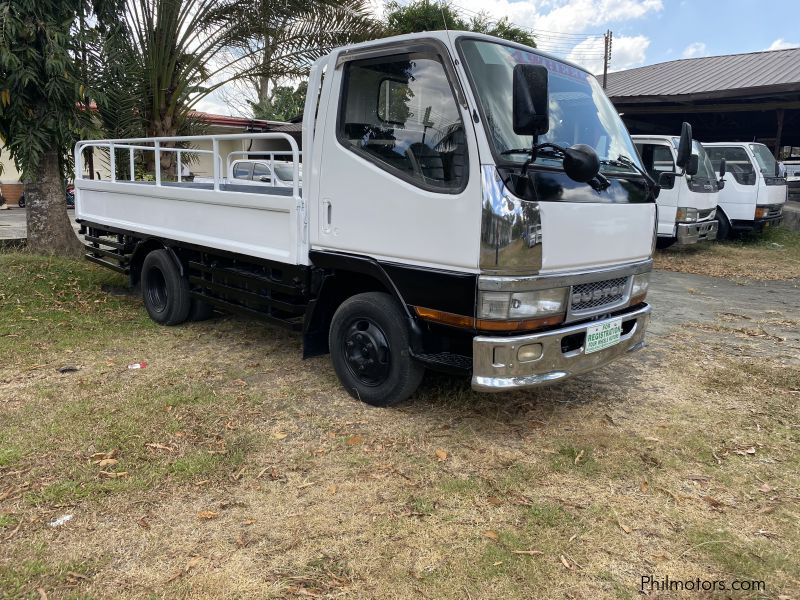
164 289
662 243
369 344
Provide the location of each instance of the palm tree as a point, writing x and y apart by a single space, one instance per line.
156 63
278 40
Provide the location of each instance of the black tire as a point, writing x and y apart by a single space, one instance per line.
164 289
369 344
662 243
21 201
201 310
724 229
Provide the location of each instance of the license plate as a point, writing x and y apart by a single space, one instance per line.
600 337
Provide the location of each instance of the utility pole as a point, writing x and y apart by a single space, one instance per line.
607 55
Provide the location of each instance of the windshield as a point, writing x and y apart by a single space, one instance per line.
766 162
580 112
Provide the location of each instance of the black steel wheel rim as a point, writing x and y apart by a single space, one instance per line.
366 351
156 290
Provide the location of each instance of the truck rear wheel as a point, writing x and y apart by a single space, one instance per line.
369 344
164 289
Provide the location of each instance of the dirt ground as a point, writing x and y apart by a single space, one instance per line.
229 468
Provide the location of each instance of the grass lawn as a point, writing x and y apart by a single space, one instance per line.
772 255
230 468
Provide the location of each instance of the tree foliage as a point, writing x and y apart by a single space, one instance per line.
44 93
156 63
278 40
285 102
429 15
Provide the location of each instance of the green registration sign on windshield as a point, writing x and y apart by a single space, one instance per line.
605 335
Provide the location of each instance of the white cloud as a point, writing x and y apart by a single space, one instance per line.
560 27
564 16
781 44
694 50
216 105
626 52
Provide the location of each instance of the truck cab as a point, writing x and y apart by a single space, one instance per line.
687 201
468 205
754 193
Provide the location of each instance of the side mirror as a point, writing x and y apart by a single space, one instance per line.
777 169
581 163
694 165
666 180
531 104
685 146
723 168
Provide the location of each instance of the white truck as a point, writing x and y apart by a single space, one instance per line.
258 168
469 205
687 202
792 179
754 193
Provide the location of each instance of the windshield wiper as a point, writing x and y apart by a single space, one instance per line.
549 150
624 161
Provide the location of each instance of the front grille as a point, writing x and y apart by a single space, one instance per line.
775 211
598 294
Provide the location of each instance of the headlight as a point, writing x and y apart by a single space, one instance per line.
762 212
639 287
686 215
522 305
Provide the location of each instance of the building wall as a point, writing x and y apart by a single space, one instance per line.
9 172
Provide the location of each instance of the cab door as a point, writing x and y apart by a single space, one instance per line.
739 196
399 169
658 158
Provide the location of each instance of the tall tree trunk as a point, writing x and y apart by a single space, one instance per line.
49 229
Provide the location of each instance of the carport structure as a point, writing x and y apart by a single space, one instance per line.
737 97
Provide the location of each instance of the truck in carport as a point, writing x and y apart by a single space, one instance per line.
688 197
468 205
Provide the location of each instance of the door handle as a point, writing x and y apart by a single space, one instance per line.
327 215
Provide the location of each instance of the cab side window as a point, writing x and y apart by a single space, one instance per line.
400 112
737 163
261 173
657 159
242 170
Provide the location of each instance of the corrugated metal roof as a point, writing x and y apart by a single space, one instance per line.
708 75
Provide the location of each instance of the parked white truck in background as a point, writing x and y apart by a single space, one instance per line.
688 199
469 205
258 168
792 179
754 193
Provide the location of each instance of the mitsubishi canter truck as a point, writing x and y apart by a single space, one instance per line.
687 202
468 204
754 193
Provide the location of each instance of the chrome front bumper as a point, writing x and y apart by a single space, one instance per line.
494 359
691 233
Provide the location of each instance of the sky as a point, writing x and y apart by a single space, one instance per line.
644 31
